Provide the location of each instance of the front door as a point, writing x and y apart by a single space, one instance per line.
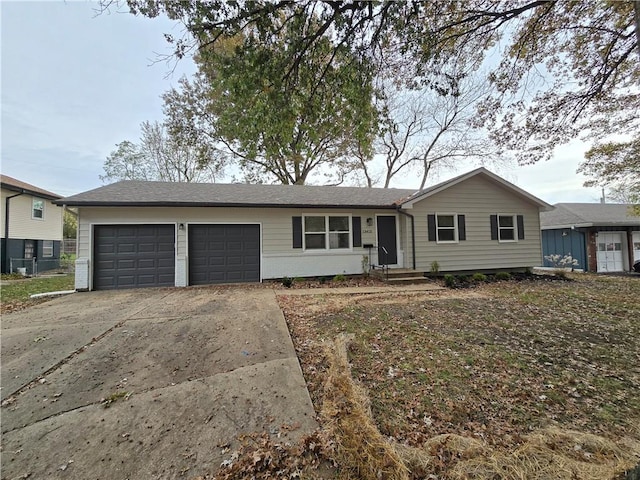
29 249
610 252
387 245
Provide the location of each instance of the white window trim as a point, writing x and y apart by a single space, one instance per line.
515 227
455 228
326 249
44 255
33 200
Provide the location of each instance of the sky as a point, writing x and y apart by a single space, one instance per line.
74 84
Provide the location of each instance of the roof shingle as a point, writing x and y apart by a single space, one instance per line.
18 185
588 214
142 193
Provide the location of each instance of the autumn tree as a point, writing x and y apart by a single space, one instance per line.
431 128
558 69
160 156
615 165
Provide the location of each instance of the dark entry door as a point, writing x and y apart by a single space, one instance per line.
387 239
224 254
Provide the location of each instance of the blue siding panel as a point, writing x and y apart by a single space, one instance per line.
564 242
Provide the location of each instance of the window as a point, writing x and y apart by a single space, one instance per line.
38 208
326 232
506 228
446 228
47 248
315 233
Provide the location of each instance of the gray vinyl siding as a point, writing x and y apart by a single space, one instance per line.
477 198
276 222
278 257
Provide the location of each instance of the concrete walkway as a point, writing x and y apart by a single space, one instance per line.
423 287
146 384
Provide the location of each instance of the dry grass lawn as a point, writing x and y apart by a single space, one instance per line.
513 367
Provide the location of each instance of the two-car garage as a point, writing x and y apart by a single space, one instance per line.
133 256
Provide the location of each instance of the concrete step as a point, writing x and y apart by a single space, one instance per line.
397 273
406 280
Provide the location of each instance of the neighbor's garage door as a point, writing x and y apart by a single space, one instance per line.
609 253
131 256
224 254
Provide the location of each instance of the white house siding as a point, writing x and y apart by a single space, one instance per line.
21 223
278 257
477 198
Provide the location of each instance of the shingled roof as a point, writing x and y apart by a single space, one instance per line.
141 193
16 185
568 215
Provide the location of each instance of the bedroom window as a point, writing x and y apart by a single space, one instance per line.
327 232
446 228
38 209
506 228
47 248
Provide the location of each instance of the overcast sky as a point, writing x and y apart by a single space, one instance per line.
75 83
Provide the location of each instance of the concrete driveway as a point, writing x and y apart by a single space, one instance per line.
151 383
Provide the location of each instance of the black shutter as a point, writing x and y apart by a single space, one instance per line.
494 227
520 219
296 223
431 227
357 231
462 230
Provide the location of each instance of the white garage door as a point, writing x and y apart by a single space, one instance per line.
610 258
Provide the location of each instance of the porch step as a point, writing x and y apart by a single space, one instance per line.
407 280
401 276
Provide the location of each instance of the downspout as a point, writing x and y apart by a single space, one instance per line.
413 234
6 224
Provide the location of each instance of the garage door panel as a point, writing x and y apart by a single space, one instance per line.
224 254
134 256
124 264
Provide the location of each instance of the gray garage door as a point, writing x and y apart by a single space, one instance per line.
224 254
132 256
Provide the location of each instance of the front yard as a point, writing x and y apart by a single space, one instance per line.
15 293
497 364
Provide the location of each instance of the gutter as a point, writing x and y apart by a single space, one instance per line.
413 234
219 204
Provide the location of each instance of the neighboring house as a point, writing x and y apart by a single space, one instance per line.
603 237
133 234
31 225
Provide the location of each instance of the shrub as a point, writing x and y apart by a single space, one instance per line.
449 281
559 261
339 278
298 279
479 277
287 282
560 273
503 276
528 272
435 267
322 280
463 279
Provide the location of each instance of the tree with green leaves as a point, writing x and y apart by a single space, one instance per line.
558 69
240 100
161 156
